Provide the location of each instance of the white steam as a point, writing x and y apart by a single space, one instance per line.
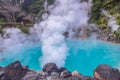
111 21
12 40
65 16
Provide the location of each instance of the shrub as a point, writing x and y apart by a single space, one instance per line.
2 20
24 29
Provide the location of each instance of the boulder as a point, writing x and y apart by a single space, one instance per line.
14 71
65 74
50 67
77 74
72 78
62 69
32 75
28 19
88 78
105 72
3 75
53 78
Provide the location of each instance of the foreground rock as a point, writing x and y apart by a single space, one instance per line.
14 71
105 72
50 71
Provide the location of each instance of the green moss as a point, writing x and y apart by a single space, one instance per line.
2 20
28 25
117 34
36 6
97 5
24 29
1 29
112 6
41 13
102 23
107 31
118 20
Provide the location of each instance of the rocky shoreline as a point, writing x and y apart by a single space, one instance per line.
16 71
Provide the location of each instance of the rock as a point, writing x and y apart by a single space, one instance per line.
14 71
50 67
62 69
65 74
28 19
2 73
77 74
40 71
105 72
53 78
3 76
32 75
55 74
115 74
88 78
72 78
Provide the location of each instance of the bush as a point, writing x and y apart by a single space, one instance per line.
112 6
24 29
2 20
118 20
117 34
1 29
36 6
102 23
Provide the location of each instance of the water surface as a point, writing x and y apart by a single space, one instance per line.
84 55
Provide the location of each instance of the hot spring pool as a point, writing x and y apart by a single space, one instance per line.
84 55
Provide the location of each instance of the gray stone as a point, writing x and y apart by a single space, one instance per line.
65 74
50 67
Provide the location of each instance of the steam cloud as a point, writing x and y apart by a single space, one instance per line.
111 21
13 40
65 16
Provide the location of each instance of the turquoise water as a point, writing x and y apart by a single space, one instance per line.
84 55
